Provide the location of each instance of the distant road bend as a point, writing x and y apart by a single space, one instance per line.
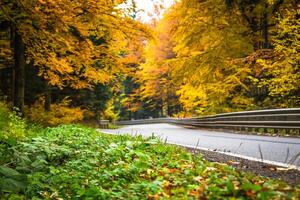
280 150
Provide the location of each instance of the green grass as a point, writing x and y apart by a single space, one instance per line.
75 162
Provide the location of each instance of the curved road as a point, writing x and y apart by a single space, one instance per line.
275 149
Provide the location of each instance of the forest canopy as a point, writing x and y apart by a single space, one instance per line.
94 59
221 56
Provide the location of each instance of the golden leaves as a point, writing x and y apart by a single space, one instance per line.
75 43
61 113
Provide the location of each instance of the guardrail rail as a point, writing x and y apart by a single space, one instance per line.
251 121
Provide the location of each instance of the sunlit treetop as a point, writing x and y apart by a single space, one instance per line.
147 10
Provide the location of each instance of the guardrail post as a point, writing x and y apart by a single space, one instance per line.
287 131
103 124
265 130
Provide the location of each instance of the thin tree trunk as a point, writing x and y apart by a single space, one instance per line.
2 81
168 102
5 83
12 76
129 115
19 72
47 105
266 44
12 83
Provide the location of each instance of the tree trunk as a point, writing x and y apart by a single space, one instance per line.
4 83
162 110
265 24
47 105
12 83
129 115
19 72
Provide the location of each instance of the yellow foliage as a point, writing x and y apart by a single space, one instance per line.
182 114
193 99
281 70
72 42
109 113
154 75
60 113
12 126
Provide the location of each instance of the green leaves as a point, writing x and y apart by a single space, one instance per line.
80 163
250 186
8 172
11 180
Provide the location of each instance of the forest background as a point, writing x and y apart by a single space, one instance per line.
67 61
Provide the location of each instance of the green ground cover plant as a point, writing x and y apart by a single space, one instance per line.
75 162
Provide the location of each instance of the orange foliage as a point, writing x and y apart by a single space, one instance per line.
73 43
61 113
154 76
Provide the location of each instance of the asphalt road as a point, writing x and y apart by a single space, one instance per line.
275 149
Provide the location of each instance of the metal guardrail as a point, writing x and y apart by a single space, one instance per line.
244 121
103 123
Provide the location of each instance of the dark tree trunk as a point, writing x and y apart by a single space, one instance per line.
129 115
265 28
2 82
13 88
5 82
47 105
12 77
19 72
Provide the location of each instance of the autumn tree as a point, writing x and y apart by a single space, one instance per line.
72 43
206 43
156 85
224 58
281 75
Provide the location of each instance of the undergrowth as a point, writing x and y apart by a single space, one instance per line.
75 162
13 127
60 113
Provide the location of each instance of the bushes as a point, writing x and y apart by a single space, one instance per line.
4 111
12 126
61 113
109 113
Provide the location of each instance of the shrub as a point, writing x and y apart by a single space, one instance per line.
60 113
12 125
109 113
3 115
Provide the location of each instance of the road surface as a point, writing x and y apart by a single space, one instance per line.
274 149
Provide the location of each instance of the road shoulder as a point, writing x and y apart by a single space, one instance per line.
289 175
